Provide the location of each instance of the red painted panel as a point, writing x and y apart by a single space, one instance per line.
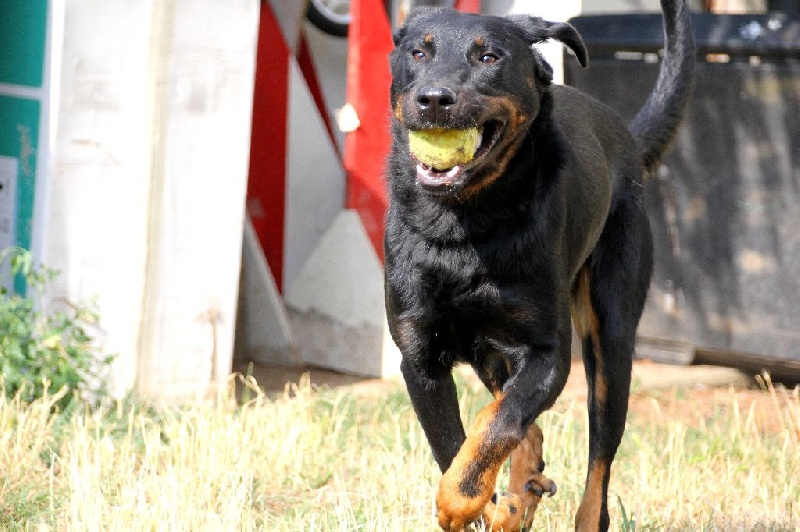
468 6
368 80
266 186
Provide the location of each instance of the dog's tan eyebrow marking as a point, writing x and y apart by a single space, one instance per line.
428 38
480 41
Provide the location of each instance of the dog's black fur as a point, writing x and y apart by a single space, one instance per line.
486 262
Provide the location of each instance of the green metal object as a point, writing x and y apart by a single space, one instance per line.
23 40
23 31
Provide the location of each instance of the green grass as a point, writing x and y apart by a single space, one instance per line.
331 460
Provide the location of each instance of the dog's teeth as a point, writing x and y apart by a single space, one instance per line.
480 140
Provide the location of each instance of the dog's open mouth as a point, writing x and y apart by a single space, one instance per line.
433 178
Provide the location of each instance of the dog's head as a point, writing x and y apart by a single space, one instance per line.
456 71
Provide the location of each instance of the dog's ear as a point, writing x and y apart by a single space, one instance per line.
566 33
536 29
398 35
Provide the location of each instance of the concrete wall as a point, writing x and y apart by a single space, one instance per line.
146 187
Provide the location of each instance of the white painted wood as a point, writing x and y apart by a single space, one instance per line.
199 174
95 222
149 168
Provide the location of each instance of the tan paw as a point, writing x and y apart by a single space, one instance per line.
505 511
456 506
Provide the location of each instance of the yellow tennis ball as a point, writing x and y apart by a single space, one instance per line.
444 148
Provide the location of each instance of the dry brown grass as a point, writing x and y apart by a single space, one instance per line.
322 459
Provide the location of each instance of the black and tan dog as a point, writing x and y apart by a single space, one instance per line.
486 261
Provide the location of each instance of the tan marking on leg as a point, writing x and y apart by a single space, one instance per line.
600 384
581 303
525 459
515 508
588 516
475 468
587 324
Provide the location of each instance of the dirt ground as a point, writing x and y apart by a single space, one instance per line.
694 393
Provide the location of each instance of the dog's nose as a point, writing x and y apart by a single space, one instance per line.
433 101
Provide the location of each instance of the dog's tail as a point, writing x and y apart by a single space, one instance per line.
656 123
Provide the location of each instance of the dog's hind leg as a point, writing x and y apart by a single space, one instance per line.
608 298
514 509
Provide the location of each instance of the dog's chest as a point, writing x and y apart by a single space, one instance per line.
460 291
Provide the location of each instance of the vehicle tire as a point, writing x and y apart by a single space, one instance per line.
329 16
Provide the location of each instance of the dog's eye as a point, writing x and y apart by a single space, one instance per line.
418 55
489 59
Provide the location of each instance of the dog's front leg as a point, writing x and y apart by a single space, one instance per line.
436 405
468 485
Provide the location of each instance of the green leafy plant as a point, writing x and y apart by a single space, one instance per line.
41 350
628 524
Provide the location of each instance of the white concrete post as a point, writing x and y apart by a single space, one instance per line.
148 178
